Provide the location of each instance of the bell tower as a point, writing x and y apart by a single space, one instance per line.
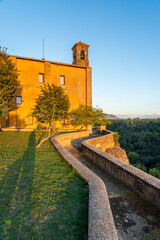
80 54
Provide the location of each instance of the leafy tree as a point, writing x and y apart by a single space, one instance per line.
9 85
133 157
51 105
3 108
141 167
155 172
87 115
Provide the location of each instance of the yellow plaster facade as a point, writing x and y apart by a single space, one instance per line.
75 79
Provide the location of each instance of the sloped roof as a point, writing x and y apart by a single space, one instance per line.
79 43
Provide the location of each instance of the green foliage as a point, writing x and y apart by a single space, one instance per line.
41 197
155 172
3 108
141 140
116 138
87 115
51 104
41 127
9 85
140 166
133 157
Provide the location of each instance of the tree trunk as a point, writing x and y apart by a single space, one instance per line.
45 139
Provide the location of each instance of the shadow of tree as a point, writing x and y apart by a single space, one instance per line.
41 136
15 196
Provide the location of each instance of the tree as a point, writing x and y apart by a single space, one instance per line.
51 105
9 85
133 157
87 115
3 108
155 172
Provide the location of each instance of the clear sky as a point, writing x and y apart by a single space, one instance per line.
124 39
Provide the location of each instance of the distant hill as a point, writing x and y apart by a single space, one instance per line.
149 116
112 117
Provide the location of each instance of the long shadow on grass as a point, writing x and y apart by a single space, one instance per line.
15 196
70 217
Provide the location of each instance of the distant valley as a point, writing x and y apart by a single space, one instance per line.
141 140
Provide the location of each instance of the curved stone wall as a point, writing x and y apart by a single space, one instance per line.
107 144
142 183
100 220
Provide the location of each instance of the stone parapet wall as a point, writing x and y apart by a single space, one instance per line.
142 183
65 139
106 143
100 220
103 142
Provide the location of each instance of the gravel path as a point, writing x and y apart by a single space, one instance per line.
135 219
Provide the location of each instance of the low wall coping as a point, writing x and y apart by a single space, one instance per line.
100 219
131 170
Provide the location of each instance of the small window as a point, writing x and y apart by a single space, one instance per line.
62 80
18 100
30 120
82 54
41 77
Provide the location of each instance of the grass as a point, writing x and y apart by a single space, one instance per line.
41 197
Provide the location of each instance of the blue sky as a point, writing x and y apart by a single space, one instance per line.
124 39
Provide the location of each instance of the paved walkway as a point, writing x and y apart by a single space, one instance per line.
135 219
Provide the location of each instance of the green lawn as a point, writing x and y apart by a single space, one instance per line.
41 197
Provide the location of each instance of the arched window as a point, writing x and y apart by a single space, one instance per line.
82 54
